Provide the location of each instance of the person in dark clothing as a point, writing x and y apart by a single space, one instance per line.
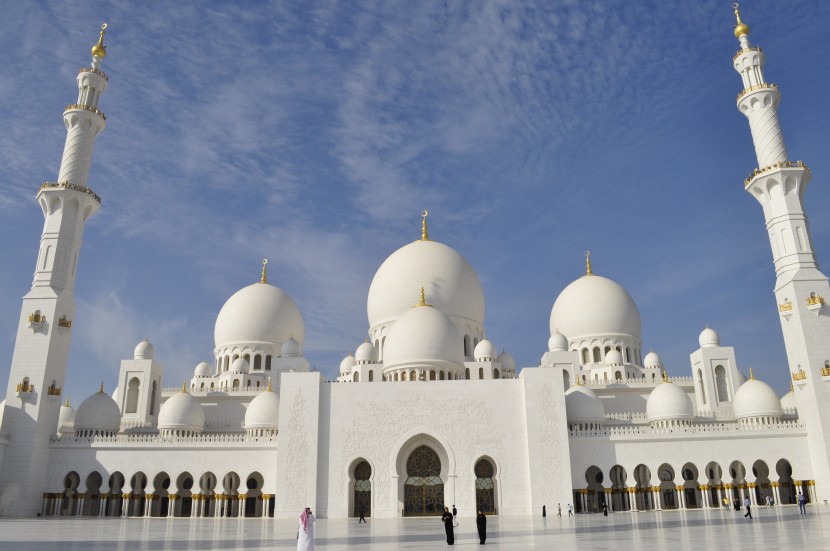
454 515
446 518
481 523
362 514
747 503
544 512
604 510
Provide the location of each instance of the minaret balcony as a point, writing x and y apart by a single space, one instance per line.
89 108
73 187
756 87
746 50
774 166
815 302
101 73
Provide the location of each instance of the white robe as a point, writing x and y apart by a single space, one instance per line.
305 538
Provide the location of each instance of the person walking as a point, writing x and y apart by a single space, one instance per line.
559 510
604 510
747 503
305 532
725 504
570 510
446 518
362 514
802 504
454 515
544 511
481 524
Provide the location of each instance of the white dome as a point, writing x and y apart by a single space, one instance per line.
451 284
613 357
582 405
592 306
258 313
98 412
485 351
263 412
240 365
708 337
290 348
182 412
203 370
423 336
66 418
668 402
756 398
144 351
652 359
346 364
558 342
366 353
507 362
788 400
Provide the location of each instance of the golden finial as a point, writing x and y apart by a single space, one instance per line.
101 390
741 28
66 404
751 375
269 384
578 380
424 233
588 263
423 298
99 50
665 377
791 387
264 278
184 387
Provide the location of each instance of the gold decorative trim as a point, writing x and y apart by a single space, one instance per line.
786 307
825 371
89 108
63 322
53 390
800 375
774 166
73 187
745 50
98 72
815 300
755 87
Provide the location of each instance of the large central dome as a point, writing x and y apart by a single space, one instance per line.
258 313
594 306
447 278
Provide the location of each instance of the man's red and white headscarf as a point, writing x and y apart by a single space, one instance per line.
304 518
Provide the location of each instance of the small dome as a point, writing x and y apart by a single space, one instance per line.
366 354
182 412
240 365
582 405
485 351
99 412
756 398
263 412
66 418
144 351
290 348
613 357
558 342
346 364
203 370
788 400
708 337
507 362
669 402
258 314
595 306
423 336
652 359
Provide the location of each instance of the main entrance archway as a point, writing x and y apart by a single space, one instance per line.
423 489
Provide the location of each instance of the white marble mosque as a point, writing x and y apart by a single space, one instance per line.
426 413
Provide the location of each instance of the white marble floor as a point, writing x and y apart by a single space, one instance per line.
772 528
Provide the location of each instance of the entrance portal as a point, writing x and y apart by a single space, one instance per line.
423 489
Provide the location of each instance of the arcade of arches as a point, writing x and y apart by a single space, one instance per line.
118 496
682 489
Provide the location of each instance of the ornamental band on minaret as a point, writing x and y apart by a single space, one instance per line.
42 344
779 185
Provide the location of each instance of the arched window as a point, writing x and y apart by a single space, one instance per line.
720 384
257 362
627 358
700 384
607 349
485 487
618 376
356 377
413 376
131 405
423 488
441 375
236 384
432 375
495 373
481 373
586 356
597 355
363 489
268 362
467 373
403 375
468 349
371 375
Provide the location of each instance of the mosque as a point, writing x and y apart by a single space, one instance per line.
426 413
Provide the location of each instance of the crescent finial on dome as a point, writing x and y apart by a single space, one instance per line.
751 375
588 263
578 380
424 232
101 390
99 50
264 278
741 28
184 387
665 377
66 404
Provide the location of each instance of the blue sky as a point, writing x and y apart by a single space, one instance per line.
313 133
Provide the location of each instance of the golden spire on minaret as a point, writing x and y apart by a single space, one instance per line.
424 233
741 28
99 50
264 278
588 263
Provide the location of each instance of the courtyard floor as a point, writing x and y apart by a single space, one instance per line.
772 528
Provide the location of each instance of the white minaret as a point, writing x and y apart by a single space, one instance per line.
42 345
779 185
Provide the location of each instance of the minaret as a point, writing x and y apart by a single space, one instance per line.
42 345
779 185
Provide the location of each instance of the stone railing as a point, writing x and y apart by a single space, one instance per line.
74 187
754 87
98 72
774 166
745 50
623 432
89 108
155 439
